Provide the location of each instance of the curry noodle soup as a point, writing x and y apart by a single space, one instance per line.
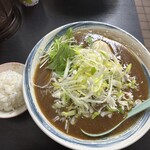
98 124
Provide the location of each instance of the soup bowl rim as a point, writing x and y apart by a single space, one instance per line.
118 141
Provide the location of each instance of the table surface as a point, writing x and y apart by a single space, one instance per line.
21 133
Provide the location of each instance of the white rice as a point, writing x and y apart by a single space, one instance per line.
11 95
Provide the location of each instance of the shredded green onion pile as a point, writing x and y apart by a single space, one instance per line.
87 82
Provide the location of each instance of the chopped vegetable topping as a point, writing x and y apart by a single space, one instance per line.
60 50
87 82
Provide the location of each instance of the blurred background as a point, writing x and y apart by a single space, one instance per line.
143 10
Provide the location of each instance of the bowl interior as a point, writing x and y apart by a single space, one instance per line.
114 142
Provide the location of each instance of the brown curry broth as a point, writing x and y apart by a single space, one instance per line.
99 124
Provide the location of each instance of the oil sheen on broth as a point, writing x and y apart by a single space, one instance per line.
99 124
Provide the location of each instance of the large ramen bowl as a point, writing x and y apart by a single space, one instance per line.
117 141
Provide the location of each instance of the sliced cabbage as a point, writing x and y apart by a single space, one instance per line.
94 83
